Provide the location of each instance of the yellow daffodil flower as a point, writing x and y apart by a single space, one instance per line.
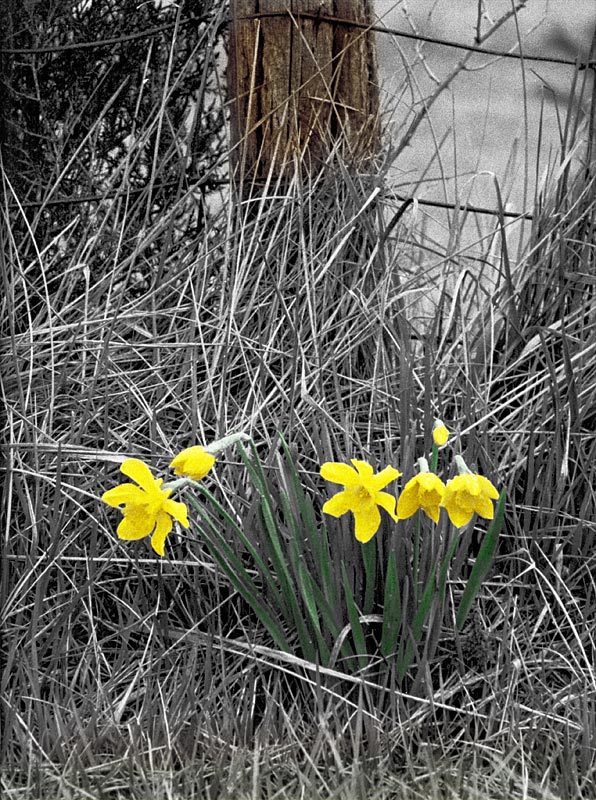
362 494
194 462
147 507
440 433
468 494
424 491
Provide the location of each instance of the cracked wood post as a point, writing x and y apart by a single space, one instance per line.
300 85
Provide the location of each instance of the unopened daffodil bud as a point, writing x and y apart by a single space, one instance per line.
440 433
194 462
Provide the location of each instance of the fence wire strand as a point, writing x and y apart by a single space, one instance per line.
488 51
295 16
331 20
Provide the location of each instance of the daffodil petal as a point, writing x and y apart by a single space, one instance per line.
487 488
339 473
384 477
459 484
432 512
338 504
364 468
162 528
367 523
139 471
407 505
457 516
137 524
484 507
386 501
177 510
431 483
124 493
431 498
473 487
467 502
467 494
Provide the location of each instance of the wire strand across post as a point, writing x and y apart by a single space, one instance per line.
300 89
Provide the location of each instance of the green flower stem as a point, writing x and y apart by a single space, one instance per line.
434 458
423 467
354 617
314 600
391 609
292 612
306 585
285 579
415 633
445 565
416 556
369 554
305 605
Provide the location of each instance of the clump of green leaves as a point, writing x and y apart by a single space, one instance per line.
282 559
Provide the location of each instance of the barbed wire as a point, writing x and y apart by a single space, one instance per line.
331 20
212 183
419 37
150 33
316 17
204 183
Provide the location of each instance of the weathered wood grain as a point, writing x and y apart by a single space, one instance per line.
300 87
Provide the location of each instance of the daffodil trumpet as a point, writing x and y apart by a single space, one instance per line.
468 494
423 492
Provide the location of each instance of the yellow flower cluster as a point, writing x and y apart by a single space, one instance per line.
462 497
147 508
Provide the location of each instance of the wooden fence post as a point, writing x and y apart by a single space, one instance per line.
302 82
